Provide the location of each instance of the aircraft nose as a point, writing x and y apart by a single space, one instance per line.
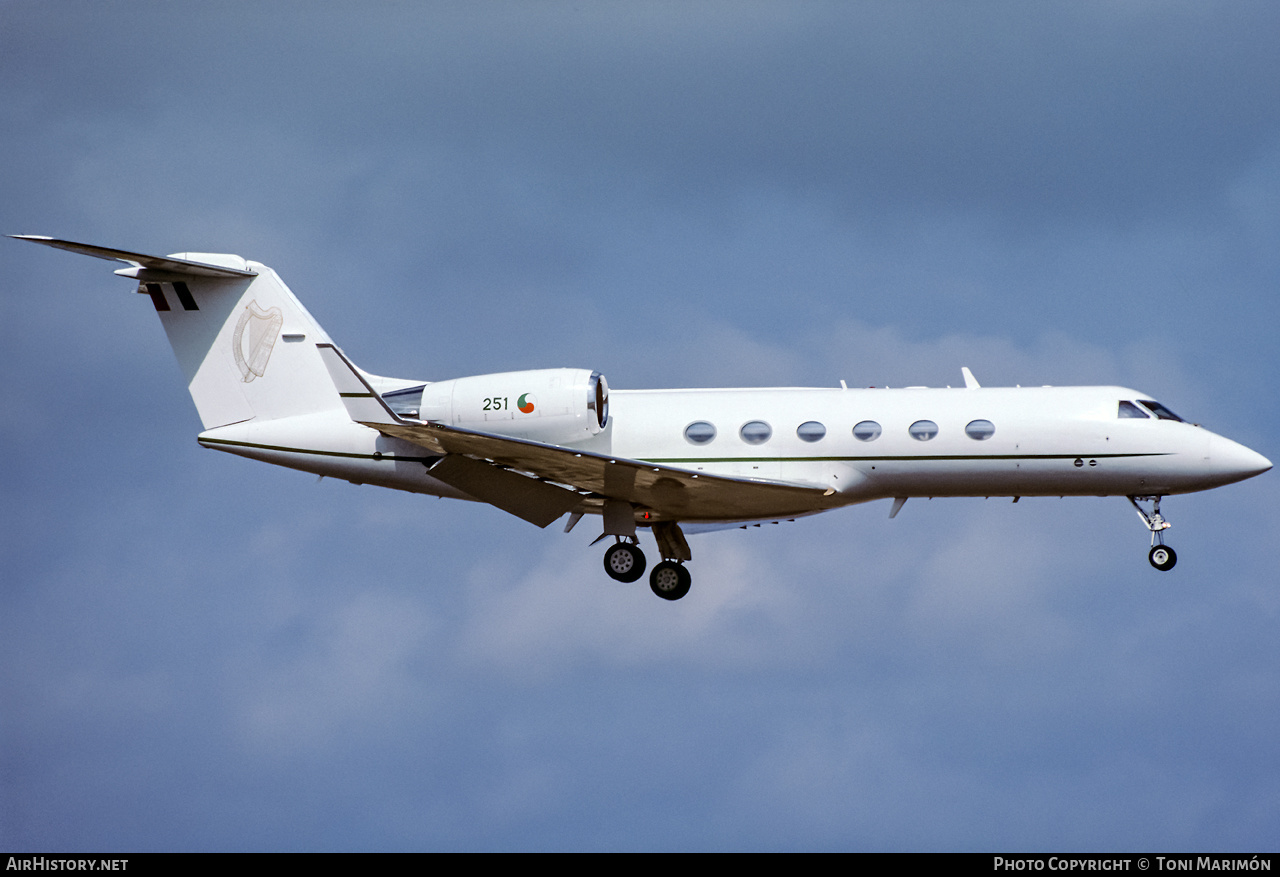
1234 461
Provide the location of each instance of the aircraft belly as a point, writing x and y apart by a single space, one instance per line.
1056 475
333 448
947 478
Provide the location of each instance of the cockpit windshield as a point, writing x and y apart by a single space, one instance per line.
1128 409
1160 411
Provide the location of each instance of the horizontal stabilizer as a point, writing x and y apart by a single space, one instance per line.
139 260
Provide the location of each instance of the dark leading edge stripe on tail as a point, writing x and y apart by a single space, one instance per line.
156 291
184 296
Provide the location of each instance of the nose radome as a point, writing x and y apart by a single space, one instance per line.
1234 460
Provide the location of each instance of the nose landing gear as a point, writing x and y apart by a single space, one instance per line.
1162 557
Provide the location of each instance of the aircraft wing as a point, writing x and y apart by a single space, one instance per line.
672 494
540 482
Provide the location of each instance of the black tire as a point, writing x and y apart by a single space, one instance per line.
670 580
1163 558
624 562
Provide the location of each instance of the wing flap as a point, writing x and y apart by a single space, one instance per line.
675 494
535 501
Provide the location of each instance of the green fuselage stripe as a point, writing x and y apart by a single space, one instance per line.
912 459
688 460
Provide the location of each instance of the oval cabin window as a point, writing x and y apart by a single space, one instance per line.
923 430
980 430
867 431
757 432
699 432
811 431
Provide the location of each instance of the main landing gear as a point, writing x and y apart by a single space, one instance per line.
624 561
670 580
1162 557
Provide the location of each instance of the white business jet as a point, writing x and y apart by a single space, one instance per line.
270 385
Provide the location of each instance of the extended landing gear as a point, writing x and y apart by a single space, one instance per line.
670 580
1162 557
624 562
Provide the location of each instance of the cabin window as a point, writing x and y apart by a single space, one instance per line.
405 402
980 430
867 431
811 431
699 432
757 432
1160 411
1128 409
923 430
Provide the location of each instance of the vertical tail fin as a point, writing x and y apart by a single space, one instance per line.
245 344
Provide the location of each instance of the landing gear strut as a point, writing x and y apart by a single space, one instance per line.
669 579
1162 557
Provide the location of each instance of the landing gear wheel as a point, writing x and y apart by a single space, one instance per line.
670 580
1163 557
624 562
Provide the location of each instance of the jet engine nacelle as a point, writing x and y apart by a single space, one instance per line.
554 405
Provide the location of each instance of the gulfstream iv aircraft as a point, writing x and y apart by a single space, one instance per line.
270 385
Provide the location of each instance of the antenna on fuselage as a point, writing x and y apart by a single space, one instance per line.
970 382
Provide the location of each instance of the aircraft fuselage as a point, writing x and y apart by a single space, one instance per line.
1031 441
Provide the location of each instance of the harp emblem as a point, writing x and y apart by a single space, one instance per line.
252 348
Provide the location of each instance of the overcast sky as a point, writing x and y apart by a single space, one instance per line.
199 652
